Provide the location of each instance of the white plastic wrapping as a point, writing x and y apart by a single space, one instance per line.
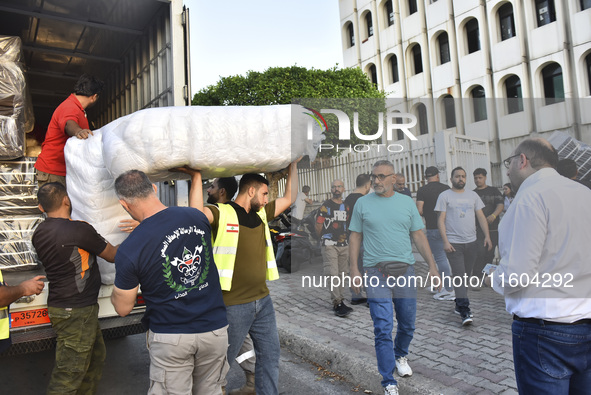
220 141
16 110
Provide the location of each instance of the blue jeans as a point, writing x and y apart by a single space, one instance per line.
380 295
258 319
436 244
461 262
552 359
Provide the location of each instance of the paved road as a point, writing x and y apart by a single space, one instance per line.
126 372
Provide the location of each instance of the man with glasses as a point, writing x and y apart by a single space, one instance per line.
331 225
383 220
458 211
544 273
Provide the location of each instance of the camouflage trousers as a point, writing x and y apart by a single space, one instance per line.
80 352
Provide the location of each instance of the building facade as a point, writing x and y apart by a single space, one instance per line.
495 70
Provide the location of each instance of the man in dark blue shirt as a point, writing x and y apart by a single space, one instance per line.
170 255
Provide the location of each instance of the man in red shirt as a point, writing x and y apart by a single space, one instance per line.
69 119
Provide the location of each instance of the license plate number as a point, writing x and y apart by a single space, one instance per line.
27 318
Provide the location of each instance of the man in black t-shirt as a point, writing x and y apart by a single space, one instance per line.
493 206
363 186
68 250
331 225
426 199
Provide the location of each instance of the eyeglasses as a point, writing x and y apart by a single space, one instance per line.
507 162
380 177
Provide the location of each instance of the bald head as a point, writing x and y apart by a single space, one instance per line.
539 152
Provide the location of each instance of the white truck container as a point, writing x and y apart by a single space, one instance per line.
140 49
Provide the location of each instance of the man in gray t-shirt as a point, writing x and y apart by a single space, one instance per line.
458 210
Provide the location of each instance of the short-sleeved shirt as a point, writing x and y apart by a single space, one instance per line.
170 255
299 206
249 281
333 217
67 249
51 159
491 197
429 194
386 223
460 214
350 201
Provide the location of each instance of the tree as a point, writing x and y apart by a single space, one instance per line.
334 88
339 89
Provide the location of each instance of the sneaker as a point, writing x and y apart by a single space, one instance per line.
358 301
466 319
391 389
445 295
458 312
342 310
402 367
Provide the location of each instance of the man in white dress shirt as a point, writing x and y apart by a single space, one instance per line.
545 273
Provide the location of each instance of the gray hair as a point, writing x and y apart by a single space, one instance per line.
133 184
384 162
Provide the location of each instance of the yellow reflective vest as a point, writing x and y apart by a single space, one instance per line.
4 318
226 243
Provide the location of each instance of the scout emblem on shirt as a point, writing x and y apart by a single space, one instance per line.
189 265
191 269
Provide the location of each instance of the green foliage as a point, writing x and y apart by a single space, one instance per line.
309 87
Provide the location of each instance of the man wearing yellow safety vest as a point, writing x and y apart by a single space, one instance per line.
8 295
245 259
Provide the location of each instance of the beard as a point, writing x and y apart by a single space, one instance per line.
458 185
211 199
255 205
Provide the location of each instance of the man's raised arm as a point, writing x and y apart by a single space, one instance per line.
282 203
196 191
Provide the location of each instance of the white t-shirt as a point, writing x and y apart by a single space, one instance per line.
299 206
460 214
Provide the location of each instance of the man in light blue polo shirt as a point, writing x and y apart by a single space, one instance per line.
384 220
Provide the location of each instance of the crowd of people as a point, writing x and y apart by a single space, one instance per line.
462 233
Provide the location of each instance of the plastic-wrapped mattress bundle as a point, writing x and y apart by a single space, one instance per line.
16 113
19 214
91 191
220 141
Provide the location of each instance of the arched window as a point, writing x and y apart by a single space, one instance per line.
514 97
449 111
473 35
553 84
478 103
506 21
417 59
423 124
369 24
399 121
389 12
350 34
373 74
443 44
588 67
545 12
412 6
393 61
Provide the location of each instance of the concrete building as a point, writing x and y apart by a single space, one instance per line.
496 70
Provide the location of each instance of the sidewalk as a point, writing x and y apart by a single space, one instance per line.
446 358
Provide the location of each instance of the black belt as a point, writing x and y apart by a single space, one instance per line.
544 322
